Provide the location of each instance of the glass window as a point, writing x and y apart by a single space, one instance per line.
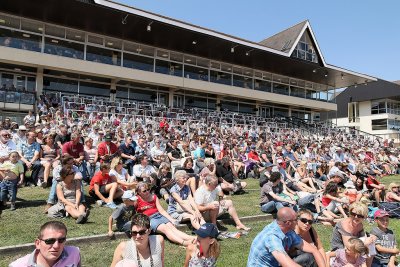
142 95
261 85
196 73
63 48
310 94
297 91
60 85
220 77
86 88
31 84
122 92
9 21
380 124
27 98
76 35
31 26
238 81
20 40
102 55
231 106
170 68
212 104
138 62
7 80
280 89
281 112
196 102
247 108
55 31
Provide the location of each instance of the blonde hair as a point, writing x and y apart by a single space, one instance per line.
391 185
357 246
359 208
208 161
114 162
215 249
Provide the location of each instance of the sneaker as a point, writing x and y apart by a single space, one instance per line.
87 213
12 207
80 219
99 202
111 205
39 183
44 185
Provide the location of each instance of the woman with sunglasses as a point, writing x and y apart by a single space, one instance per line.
142 249
305 230
160 221
121 174
392 195
352 227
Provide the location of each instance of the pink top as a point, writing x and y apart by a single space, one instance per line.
340 260
70 257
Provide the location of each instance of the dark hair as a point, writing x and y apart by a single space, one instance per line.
331 188
65 159
141 220
275 176
64 172
187 161
104 166
54 225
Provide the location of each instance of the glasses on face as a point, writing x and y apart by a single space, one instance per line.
304 220
355 215
71 173
51 241
6 135
145 190
141 232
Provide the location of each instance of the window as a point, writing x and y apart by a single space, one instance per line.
63 48
281 89
380 124
261 85
138 62
60 85
169 68
220 77
305 49
101 55
378 107
296 91
25 41
196 73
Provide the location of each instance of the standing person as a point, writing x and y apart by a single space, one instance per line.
142 249
50 248
205 252
386 244
271 245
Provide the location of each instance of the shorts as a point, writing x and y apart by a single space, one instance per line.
222 209
102 191
164 191
156 220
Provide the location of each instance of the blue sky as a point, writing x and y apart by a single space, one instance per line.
361 36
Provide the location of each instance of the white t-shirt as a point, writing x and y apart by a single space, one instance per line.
202 196
119 176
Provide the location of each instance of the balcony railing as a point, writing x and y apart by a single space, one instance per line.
9 96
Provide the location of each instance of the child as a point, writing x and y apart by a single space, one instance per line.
331 201
386 241
351 256
206 250
11 172
123 214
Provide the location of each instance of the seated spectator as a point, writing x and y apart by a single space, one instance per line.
392 195
174 155
209 169
378 189
331 202
160 221
63 136
210 202
353 255
192 180
69 198
107 150
145 172
20 136
181 205
49 157
158 154
226 176
206 250
165 181
50 249
76 150
265 174
143 249
11 174
270 247
92 164
29 153
104 188
128 153
122 176
6 145
386 245
305 230
123 214
272 195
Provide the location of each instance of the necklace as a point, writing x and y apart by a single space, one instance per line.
138 257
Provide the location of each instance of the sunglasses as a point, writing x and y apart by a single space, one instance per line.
355 215
51 241
141 232
145 191
304 220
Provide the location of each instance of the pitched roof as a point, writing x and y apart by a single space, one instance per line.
284 40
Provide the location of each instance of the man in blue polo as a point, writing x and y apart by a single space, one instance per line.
271 245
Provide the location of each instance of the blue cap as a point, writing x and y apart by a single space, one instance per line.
207 230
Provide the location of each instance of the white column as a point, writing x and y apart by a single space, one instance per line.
39 82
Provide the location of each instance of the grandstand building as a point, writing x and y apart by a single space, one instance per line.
374 109
95 48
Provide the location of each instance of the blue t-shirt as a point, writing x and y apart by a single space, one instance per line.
271 239
182 192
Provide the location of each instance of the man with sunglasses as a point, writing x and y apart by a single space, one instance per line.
6 145
50 249
271 245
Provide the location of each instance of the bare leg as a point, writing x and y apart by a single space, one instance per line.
191 182
232 211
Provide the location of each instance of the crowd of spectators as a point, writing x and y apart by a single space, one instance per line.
193 165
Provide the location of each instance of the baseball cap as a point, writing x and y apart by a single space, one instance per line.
380 214
108 137
279 161
22 128
128 194
207 230
349 184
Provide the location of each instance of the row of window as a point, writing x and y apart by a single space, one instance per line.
385 106
83 51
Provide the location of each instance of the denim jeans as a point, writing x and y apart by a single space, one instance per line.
36 166
305 259
92 169
84 170
52 199
129 166
271 206
8 187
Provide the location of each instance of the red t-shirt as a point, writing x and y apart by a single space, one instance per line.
147 208
99 179
73 150
372 180
325 201
253 155
103 149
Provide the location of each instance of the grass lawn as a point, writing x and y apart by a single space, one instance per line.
22 225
